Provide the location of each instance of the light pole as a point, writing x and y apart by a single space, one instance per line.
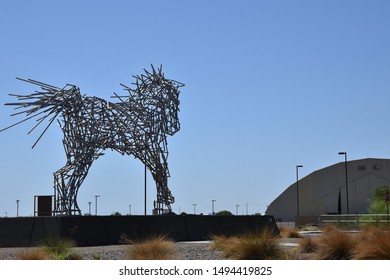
346 177
237 209
387 198
298 166
96 197
212 206
145 188
194 207
89 207
17 208
130 209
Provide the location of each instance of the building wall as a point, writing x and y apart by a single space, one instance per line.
324 191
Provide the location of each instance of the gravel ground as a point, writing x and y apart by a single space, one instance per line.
184 250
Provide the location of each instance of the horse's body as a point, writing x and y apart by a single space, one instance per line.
137 125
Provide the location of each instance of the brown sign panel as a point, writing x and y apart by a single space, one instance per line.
45 205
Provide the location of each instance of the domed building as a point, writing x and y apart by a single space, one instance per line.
325 191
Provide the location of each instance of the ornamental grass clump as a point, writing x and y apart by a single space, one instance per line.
262 245
32 254
60 249
289 232
307 245
154 248
226 244
335 244
373 244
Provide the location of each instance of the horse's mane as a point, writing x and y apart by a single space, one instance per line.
151 90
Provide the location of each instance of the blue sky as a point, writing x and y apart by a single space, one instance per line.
269 85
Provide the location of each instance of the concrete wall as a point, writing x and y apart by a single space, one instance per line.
112 230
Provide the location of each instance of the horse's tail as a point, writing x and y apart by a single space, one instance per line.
45 104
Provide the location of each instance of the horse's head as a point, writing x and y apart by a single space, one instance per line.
157 100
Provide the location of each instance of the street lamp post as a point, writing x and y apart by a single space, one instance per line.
130 209
387 198
298 166
17 208
145 170
194 207
96 197
237 209
212 206
89 207
346 177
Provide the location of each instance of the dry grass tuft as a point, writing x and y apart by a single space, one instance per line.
32 254
289 232
155 248
219 241
335 245
307 245
373 244
51 249
250 246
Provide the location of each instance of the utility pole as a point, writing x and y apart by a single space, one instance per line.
96 197
17 207
212 206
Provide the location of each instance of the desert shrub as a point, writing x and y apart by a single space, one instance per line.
373 244
335 244
262 245
154 248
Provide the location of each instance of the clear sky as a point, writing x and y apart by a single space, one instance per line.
269 85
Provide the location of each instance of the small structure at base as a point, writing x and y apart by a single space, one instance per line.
43 205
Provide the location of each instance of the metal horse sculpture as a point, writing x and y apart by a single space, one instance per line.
138 125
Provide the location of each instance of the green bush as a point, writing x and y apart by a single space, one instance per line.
378 203
224 213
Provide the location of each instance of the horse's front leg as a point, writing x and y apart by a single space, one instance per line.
67 182
160 175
